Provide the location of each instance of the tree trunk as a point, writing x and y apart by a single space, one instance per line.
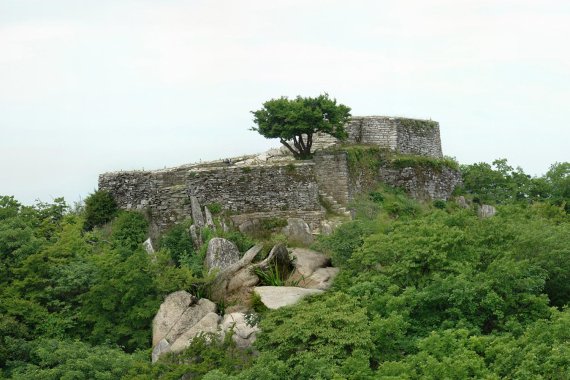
295 153
301 150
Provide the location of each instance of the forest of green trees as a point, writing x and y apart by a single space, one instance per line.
425 291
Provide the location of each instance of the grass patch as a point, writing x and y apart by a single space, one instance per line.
401 161
421 127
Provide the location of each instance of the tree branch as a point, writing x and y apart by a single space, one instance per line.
295 153
297 145
302 143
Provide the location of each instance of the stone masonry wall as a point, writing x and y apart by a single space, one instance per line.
161 194
422 183
243 190
423 141
164 194
406 136
287 189
331 170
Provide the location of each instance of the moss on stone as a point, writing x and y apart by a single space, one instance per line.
400 161
418 125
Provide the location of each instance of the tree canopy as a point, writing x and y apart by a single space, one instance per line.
294 121
425 291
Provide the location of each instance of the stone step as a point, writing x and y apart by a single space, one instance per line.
336 207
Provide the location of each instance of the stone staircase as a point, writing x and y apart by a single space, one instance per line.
335 207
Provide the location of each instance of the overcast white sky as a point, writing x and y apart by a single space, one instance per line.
93 86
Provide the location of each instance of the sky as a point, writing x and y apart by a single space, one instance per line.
88 87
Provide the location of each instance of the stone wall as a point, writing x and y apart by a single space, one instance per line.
161 194
406 136
331 171
287 189
243 190
419 137
422 183
263 191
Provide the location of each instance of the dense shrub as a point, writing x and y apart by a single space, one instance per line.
178 243
130 229
100 208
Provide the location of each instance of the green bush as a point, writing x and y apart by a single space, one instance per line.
376 197
439 203
100 208
215 208
321 337
273 223
129 230
205 353
178 243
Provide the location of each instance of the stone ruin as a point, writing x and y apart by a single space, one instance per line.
274 185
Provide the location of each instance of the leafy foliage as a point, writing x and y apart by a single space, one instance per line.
292 119
425 292
422 162
331 337
130 229
52 359
100 208
179 245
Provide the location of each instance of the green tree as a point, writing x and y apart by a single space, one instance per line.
294 121
558 177
58 359
129 230
100 208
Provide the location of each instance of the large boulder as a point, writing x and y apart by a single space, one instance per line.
243 333
486 211
162 347
221 254
307 261
236 278
207 324
298 231
321 278
250 227
274 297
179 319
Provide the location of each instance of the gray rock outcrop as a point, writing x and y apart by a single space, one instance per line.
462 202
321 278
196 236
161 348
209 218
312 269
244 334
179 313
328 226
307 261
486 211
221 254
182 317
250 226
275 297
298 231
207 324
197 216
236 278
147 244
